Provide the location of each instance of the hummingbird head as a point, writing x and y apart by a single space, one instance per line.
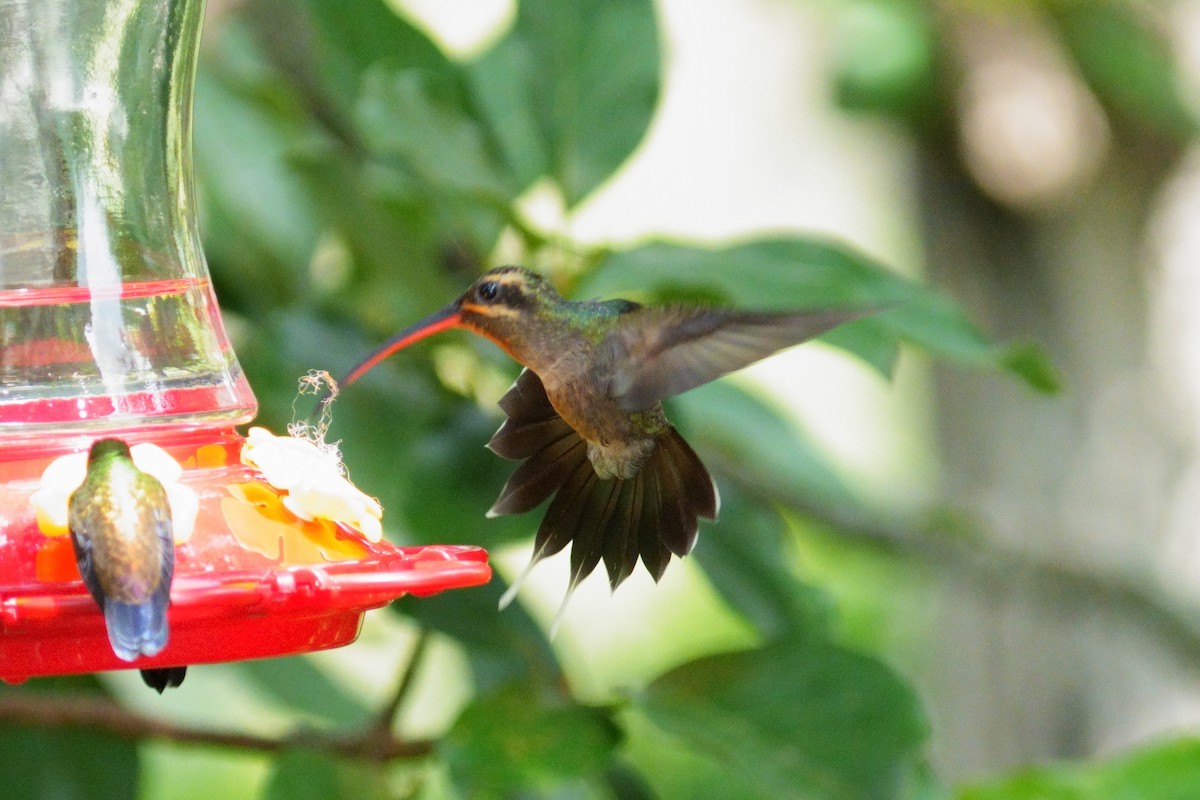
512 306
104 448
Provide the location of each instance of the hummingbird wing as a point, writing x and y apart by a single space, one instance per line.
84 560
656 353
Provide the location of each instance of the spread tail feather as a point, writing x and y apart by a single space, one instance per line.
652 515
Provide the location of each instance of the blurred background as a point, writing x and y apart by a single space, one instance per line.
959 548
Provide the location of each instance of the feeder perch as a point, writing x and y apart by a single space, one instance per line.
109 328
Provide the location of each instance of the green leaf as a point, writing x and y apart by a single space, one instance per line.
886 57
806 273
417 119
260 225
571 89
741 436
501 89
355 35
797 718
1031 363
1168 771
1128 62
65 763
626 783
38 763
502 646
521 738
297 684
748 562
305 774
393 237
453 480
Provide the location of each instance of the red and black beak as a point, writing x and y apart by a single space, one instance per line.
438 321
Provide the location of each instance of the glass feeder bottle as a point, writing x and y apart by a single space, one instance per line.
107 316
109 327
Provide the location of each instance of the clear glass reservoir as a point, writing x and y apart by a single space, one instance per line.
107 315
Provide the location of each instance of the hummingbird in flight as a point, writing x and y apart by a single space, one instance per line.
120 523
585 416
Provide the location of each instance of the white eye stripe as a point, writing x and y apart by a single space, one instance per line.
492 311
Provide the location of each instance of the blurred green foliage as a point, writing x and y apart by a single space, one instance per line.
353 176
1169 771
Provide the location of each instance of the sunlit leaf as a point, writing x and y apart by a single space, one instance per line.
1031 363
584 75
673 767
797 718
501 88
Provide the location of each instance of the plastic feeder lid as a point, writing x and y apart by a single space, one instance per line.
251 581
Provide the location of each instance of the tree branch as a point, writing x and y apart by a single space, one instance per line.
90 713
387 716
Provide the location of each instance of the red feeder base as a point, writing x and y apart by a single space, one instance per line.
251 582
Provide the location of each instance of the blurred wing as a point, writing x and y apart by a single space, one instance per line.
661 352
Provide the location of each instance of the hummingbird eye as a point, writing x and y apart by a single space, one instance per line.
488 291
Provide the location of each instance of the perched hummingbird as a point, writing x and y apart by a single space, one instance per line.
120 522
586 413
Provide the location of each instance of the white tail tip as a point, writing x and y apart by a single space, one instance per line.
511 593
562 612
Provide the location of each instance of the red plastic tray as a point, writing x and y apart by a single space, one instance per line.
289 588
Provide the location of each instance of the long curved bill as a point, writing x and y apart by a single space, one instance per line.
436 322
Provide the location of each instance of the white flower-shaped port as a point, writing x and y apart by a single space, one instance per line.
64 474
314 481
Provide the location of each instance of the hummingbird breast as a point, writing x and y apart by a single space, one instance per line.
618 442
